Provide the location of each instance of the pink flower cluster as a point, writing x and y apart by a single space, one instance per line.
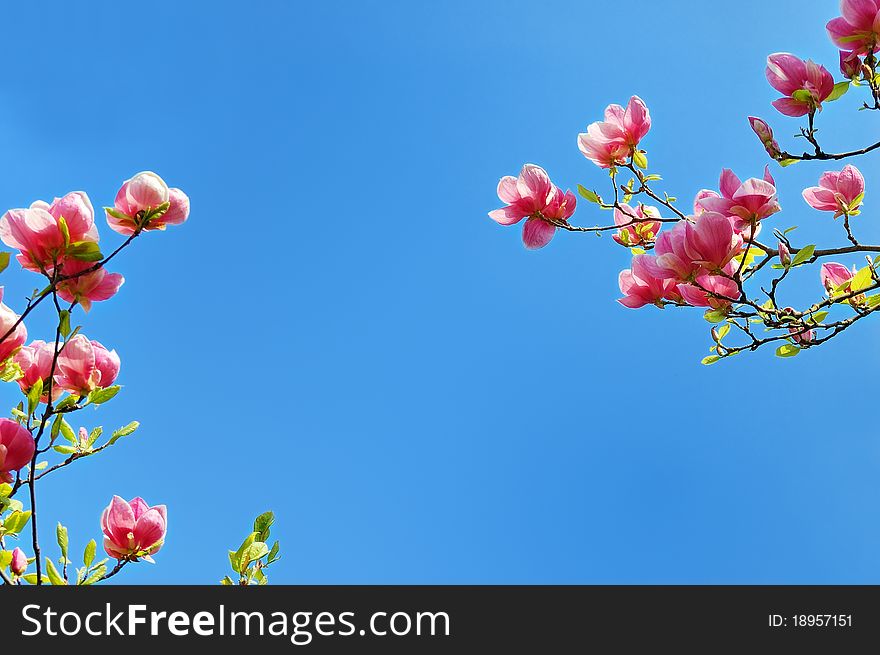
534 197
614 141
139 196
133 529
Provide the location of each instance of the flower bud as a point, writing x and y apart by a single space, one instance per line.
19 562
850 64
765 133
784 254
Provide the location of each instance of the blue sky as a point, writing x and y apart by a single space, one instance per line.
339 332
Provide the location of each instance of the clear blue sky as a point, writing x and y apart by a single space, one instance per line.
340 333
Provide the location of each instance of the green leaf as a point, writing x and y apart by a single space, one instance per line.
273 553
803 255
33 395
227 581
65 231
4 261
64 323
93 436
123 432
788 162
99 396
711 359
115 213
715 315
839 89
64 450
790 229
16 521
862 279
54 577
61 536
31 578
235 561
89 554
254 552
85 251
722 331
262 524
67 432
95 576
787 350
802 95
591 196
640 159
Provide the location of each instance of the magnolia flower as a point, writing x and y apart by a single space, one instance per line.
141 194
671 258
636 227
840 192
19 562
833 275
800 336
746 203
804 84
84 366
710 241
86 288
35 361
37 232
859 27
613 141
16 448
534 197
639 287
17 337
715 291
133 529
765 133
850 64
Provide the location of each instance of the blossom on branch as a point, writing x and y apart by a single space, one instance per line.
84 366
636 226
16 448
145 201
35 361
840 192
10 321
87 287
534 197
858 29
613 141
744 203
133 529
805 84
640 287
46 234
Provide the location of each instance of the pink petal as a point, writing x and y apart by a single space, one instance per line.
537 233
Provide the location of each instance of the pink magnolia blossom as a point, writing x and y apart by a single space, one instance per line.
613 141
534 197
636 228
765 134
133 529
37 234
142 193
840 192
804 84
17 337
834 275
84 366
744 203
859 27
16 448
850 64
35 361
90 287
706 243
19 562
639 287
715 291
